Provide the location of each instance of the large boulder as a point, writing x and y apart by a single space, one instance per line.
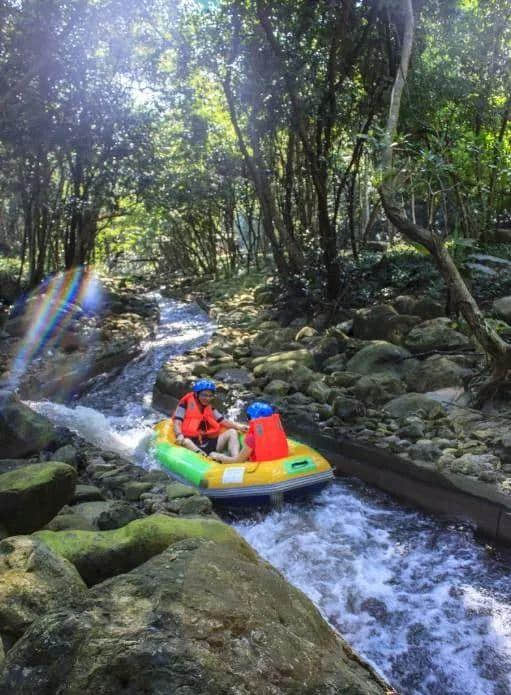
23 431
435 334
380 357
103 554
33 581
378 388
32 495
200 618
436 372
410 403
382 322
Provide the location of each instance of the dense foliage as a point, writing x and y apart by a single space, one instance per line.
207 137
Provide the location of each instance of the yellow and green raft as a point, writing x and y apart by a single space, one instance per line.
303 471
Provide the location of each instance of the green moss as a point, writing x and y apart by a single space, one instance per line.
102 554
33 475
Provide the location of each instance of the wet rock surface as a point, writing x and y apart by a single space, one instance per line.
181 622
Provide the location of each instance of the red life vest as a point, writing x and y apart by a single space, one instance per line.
195 415
269 438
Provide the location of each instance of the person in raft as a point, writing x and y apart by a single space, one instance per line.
266 439
198 426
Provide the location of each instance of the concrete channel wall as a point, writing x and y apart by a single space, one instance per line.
450 495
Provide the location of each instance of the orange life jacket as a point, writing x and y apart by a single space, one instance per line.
269 438
195 415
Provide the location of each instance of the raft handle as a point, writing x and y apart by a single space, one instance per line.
299 464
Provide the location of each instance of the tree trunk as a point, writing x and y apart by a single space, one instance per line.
496 348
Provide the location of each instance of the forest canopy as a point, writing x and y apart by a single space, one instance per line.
206 137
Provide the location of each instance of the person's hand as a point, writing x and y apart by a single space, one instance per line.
180 438
243 428
216 456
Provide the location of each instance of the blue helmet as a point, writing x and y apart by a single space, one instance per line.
259 409
203 385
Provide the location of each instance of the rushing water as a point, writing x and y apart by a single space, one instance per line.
116 414
424 602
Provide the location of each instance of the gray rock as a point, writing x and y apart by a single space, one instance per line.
428 308
410 403
347 408
277 387
435 334
168 635
32 495
178 490
134 489
319 391
23 431
33 580
502 308
110 514
67 454
380 357
436 372
379 388
87 493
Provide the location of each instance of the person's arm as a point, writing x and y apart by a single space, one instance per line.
180 438
243 456
230 424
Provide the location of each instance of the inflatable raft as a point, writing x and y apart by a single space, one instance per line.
303 471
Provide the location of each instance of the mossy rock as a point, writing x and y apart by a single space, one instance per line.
102 554
198 618
32 495
33 580
380 357
22 430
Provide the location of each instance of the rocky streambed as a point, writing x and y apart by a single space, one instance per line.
114 579
373 581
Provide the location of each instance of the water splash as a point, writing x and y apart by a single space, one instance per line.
417 597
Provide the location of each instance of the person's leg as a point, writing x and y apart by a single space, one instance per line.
229 440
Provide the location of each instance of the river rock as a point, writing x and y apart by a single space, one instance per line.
410 403
435 334
169 635
319 391
108 514
102 554
33 581
32 495
22 430
195 505
380 357
324 349
277 387
87 493
502 308
67 454
436 372
378 388
428 308
382 322
178 490
67 519
347 408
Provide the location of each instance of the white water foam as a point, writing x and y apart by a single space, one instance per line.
418 598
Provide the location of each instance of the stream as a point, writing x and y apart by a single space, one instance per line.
418 597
